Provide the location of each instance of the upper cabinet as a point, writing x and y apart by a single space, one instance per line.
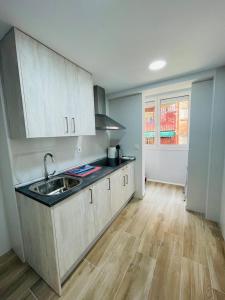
46 95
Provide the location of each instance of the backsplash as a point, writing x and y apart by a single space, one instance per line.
27 155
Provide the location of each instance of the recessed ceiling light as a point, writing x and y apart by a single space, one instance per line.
157 65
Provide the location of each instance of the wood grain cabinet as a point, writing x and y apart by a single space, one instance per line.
74 229
57 238
122 186
101 195
78 220
46 95
117 190
129 181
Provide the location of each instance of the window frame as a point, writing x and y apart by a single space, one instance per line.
156 119
157 99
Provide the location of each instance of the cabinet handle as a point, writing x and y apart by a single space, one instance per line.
73 122
91 202
127 178
124 181
67 125
109 188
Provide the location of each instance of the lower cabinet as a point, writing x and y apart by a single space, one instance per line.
74 228
122 187
117 182
130 184
101 204
67 230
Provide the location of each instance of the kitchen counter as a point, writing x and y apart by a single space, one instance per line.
107 167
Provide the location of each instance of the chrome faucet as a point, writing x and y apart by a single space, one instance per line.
47 175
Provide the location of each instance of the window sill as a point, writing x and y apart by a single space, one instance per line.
167 147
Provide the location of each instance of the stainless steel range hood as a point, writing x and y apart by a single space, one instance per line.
102 121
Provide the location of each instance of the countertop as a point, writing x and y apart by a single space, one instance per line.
86 181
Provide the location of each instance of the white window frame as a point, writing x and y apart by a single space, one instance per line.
157 99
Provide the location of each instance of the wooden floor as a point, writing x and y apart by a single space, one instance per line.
153 250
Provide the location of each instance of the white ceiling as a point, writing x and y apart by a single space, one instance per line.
117 39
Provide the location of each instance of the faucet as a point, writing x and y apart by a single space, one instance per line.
47 175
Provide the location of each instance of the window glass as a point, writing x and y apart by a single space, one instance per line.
149 130
174 120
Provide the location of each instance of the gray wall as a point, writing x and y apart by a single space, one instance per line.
128 111
222 207
217 147
205 177
4 234
199 140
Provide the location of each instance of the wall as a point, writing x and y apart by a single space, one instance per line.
163 83
4 234
217 148
27 154
129 112
166 165
222 207
10 203
200 129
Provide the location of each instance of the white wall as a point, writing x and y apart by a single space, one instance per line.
166 165
27 154
4 234
129 111
199 140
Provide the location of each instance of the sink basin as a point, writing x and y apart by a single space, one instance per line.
55 186
109 162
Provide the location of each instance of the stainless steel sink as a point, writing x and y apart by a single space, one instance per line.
55 186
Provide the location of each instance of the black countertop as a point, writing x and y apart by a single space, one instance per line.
108 167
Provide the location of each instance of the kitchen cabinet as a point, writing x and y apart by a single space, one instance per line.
74 228
70 111
46 95
57 238
129 180
78 220
117 181
122 186
85 109
101 203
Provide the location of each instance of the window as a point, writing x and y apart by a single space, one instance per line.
167 120
174 121
149 133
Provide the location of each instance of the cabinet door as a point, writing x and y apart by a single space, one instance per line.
101 203
130 184
117 190
72 99
85 107
74 228
43 82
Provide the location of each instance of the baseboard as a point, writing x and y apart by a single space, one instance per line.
191 210
140 197
166 182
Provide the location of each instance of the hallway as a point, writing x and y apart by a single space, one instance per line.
155 249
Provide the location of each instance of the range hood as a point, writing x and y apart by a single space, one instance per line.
102 121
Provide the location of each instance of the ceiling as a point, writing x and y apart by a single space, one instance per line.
117 39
